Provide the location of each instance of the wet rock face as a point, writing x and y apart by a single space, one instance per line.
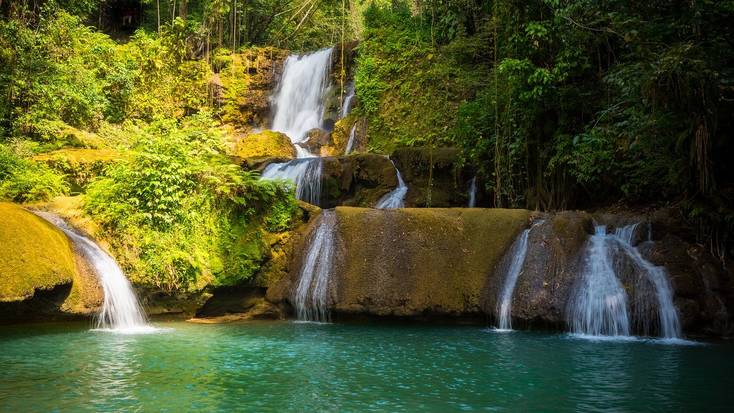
244 82
403 263
41 276
316 139
434 177
246 302
704 289
397 263
356 180
551 268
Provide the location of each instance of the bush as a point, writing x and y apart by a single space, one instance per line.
22 180
191 215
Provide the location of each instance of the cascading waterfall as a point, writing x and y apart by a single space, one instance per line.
598 305
395 198
311 294
121 310
350 142
305 173
299 108
658 277
472 193
513 262
299 101
347 104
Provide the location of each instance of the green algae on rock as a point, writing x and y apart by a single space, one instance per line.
265 144
415 262
34 255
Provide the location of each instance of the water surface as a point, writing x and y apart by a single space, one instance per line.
287 366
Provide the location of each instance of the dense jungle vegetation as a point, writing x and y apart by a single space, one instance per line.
556 104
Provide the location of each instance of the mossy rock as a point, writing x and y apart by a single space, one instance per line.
435 177
244 82
34 255
415 262
79 165
356 180
265 144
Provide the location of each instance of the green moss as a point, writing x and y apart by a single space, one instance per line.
265 144
33 254
411 261
79 165
246 80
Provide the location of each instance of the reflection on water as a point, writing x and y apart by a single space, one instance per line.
600 379
283 366
114 374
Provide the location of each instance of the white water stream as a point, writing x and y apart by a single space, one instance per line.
311 297
395 198
121 312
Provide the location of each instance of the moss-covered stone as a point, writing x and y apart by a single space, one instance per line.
356 180
317 140
34 255
79 165
244 82
551 267
411 262
265 144
340 136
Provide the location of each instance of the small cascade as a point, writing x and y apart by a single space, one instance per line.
350 142
305 173
121 310
299 107
347 103
598 305
513 262
667 313
299 101
472 193
311 296
395 198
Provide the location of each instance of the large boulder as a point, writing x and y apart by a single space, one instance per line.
551 268
340 136
40 275
703 284
315 140
356 180
265 144
414 262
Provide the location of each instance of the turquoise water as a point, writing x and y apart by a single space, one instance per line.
286 366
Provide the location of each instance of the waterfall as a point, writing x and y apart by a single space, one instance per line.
513 262
598 306
299 107
347 104
658 277
121 310
311 296
299 101
350 142
472 193
395 198
305 173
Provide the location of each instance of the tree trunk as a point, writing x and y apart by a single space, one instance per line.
183 9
